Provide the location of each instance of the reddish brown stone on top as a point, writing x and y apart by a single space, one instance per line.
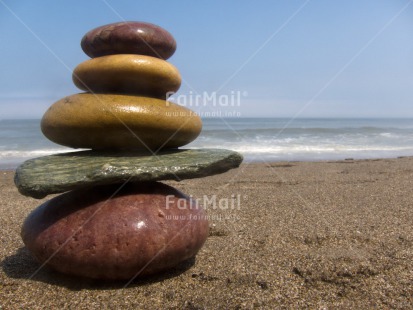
129 38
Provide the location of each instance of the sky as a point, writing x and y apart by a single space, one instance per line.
284 58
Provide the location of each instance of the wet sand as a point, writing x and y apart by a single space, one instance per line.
284 235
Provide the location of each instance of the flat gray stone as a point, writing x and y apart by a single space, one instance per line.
59 173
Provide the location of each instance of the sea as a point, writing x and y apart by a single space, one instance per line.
258 139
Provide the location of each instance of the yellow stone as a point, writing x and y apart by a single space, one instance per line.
108 121
128 74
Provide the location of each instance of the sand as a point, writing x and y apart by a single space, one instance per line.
295 234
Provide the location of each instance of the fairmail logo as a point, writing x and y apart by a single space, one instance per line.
207 202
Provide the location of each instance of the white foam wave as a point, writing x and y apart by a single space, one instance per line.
11 159
253 152
30 153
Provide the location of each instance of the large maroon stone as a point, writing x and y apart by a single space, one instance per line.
143 229
129 38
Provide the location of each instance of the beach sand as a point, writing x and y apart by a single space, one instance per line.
304 234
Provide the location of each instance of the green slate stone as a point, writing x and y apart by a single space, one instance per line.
59 173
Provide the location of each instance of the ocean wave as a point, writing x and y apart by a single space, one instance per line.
30 153
274 149
306 139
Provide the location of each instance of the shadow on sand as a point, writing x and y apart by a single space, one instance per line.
22 265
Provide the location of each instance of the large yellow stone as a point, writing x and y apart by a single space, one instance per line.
107 121
129 74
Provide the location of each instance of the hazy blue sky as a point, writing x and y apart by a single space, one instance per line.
318 58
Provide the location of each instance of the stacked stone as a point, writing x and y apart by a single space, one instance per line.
127 83
115 221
